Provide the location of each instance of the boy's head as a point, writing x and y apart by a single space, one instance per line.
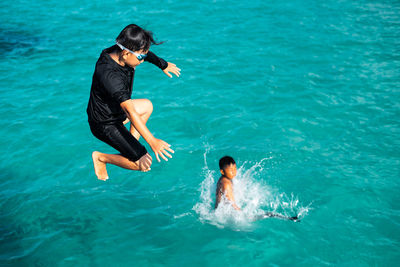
227 167
135 38
133 44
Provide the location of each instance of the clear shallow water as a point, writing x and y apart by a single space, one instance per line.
311 87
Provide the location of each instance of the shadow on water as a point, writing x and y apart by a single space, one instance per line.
30 220
10 232
14 41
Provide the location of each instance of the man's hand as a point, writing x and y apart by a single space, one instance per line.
145 163
160 148
172 68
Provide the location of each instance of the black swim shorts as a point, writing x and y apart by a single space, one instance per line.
118 136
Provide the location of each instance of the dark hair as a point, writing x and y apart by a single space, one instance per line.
136 38
226 161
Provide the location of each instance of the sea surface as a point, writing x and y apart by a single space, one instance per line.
304 95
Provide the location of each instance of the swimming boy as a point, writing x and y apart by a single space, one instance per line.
110 104
227 167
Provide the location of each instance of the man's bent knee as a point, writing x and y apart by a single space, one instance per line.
145 162
149 106
143 106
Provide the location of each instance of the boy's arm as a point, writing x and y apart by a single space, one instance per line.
166 67
228 191
159 62
158 146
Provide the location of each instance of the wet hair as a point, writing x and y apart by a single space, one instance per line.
226 161
136 38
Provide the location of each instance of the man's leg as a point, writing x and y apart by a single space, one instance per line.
101 159
144 108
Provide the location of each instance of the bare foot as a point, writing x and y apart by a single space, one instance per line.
99 166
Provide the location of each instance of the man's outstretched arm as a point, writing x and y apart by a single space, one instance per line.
165 66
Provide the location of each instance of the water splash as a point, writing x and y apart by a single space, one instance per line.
252 195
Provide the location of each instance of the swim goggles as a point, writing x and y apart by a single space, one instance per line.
137 55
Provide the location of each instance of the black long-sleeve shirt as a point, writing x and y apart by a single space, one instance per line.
111 85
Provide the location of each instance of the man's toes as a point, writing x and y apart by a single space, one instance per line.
103 179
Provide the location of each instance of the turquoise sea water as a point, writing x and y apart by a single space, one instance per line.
303 94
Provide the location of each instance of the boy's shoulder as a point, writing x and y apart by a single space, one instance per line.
223 181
